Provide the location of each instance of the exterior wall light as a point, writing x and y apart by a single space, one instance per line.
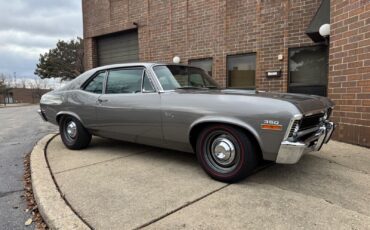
176 60
324 30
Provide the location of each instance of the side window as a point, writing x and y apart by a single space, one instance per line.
147 85
96 84
124 81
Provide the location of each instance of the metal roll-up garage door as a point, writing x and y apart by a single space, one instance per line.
118 48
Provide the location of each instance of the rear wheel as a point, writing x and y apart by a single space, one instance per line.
226 153
73 134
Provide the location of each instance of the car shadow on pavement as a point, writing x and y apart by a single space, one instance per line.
100 143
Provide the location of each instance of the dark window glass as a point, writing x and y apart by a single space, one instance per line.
205 64
308 66
124 80
177 76
241 70
96 84
147 85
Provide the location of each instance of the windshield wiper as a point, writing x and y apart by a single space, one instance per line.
195 87
189 87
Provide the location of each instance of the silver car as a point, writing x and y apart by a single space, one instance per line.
180 107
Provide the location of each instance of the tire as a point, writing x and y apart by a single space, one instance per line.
214 150
73 134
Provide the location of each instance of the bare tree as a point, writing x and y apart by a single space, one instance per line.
38 87
23 82
5 83
2 79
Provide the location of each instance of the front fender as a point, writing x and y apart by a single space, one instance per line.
226 120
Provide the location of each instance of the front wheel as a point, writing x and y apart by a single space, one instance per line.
226 153
73 134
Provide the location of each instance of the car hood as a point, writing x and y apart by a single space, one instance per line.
307 104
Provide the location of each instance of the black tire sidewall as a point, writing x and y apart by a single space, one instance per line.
248 155
83 137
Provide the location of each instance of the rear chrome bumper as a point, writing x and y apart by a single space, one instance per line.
42 114
290 152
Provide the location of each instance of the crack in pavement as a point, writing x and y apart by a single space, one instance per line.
312 196
345 166
4 194
179 208
259 168
100 162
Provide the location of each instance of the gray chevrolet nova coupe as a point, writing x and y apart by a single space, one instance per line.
180 107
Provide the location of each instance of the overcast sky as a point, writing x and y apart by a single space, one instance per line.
31 27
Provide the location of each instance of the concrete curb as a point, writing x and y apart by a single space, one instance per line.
56 213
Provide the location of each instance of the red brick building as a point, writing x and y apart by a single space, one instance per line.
22 95
242 42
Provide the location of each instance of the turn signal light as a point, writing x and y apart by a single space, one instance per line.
272 127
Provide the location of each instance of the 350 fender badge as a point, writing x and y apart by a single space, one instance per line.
271 125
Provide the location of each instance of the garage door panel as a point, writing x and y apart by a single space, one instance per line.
111 51
118 48
116 54
118 43
118 59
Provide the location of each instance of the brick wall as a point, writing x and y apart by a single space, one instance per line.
195 29
349 69
25 95
206 28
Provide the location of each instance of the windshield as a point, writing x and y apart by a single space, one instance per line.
180 77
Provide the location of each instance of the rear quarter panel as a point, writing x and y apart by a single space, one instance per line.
76 102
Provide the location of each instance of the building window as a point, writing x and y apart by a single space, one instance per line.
205 64
308 70
241 71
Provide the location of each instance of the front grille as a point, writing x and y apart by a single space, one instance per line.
310 121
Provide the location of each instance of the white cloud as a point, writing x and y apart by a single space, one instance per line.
31 27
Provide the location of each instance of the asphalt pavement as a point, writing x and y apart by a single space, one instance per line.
20 129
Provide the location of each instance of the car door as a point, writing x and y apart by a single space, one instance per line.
129 108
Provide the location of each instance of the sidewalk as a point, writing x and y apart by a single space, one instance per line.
14 105
118 185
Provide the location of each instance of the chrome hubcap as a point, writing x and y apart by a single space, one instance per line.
223 151
72 129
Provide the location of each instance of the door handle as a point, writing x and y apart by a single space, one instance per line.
102 100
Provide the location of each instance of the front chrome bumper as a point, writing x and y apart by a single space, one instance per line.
290 152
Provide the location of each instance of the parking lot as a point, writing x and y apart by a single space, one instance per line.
126 186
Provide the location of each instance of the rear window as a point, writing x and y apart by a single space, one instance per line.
95 85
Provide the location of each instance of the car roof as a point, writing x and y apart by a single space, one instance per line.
145 64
